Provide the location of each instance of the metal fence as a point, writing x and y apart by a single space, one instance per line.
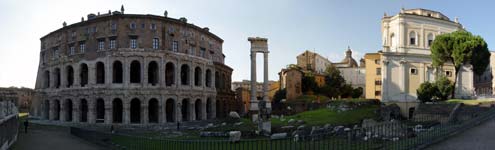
8 131
406 134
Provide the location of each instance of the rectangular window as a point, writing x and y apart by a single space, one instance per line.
378 71
43 57
448 73
112 44
377 61
155 43
132 26
133 43
378 93
72 50
82 47
114 26
414 71
430 42
56 54
101 45
413 41
153 26
202 52
175 46
378 82
193 51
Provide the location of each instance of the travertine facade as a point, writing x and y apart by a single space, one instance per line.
130 68
313 61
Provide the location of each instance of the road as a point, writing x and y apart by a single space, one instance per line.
478 138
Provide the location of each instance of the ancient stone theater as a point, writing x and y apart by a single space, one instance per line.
117 68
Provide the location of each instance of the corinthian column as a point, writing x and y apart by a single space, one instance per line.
254 104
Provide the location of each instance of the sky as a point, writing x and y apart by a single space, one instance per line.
327 27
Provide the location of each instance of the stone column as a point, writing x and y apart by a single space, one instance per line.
144 73
126 67
213 107
63 110
108 111
63 77
161 73
51 110
126 116
77 79
144 112
254 101
203 109
108 73
178 111
91 110
91 74
385 79
161 110
192 110
265 76
76 112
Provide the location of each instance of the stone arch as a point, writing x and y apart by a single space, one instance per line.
83 74
135 111
184 74
197 76
46 80
208 78
100 110
169 74
153 73
135 73
185 109
198 109
209 109
153 114
68 107
117 72
46 109
83 108
69 75
100 73
170 110
117 110
56 109
56 73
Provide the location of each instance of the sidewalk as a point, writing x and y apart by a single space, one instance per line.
51 138
477 138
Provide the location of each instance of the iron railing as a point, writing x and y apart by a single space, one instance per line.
9 128
416 133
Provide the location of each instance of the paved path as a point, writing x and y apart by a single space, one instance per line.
51 138
481 137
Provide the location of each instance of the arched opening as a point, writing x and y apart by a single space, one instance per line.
68 110
217 80
57 77
208 108
100 110
83 74
70 76
197 109
153 73
135 111
117 109
117 72
184 74
169 74
185 110
100 73
197 76
153 111
170 110
220 110
46 80
135 72
57 110
208 78
83 107
47 109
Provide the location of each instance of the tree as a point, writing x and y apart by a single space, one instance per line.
334 82
357 92
426 92
308 83
279 95
444 88
460 47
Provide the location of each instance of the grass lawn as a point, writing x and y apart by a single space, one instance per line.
470 102
324 116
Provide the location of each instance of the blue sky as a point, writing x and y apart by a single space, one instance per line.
291 26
